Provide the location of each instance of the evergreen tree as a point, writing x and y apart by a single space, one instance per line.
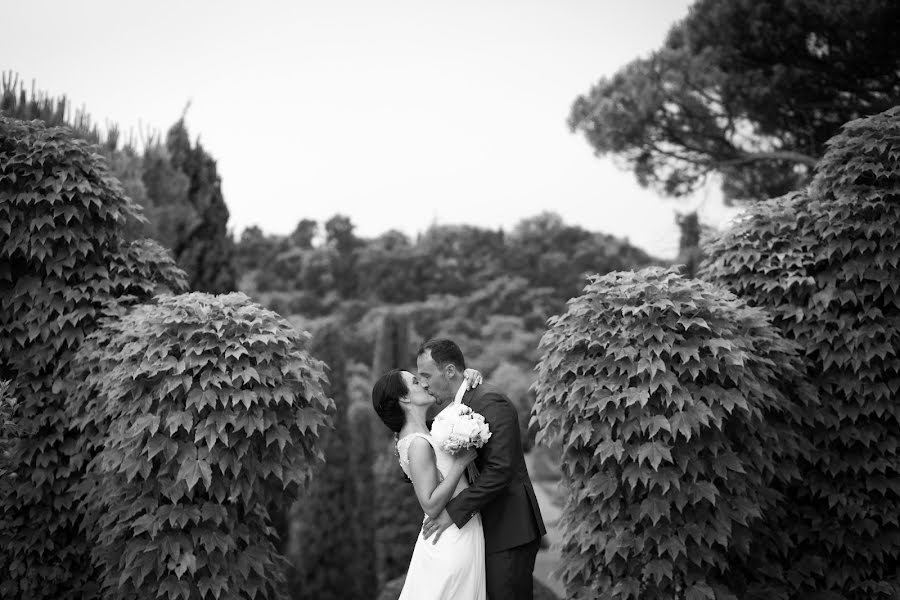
340 239
333 564
204 248
303 235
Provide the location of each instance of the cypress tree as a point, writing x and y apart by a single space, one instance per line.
331 562
398 516
203 248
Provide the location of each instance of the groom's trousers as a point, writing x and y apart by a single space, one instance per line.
509 572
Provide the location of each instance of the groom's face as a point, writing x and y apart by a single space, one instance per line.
433 378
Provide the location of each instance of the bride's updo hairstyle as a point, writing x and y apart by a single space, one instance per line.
386 399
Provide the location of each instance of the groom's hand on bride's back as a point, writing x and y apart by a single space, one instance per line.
436 526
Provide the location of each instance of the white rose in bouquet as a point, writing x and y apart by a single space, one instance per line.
441 428
458 427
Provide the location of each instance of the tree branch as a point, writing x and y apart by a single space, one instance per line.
788 155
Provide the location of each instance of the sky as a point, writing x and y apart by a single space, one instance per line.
399 114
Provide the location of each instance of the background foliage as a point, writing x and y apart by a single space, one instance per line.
332 561
398 516
824 263
175 183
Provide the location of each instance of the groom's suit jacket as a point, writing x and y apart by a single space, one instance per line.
502 492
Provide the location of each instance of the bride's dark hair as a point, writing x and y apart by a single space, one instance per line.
386 396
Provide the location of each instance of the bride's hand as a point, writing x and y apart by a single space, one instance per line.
473 378
465 457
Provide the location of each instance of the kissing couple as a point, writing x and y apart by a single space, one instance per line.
482 527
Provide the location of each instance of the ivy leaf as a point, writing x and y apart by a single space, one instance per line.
654 453
682 422
610 448
699 591
655 508
189 472
654 424
707 490
658 570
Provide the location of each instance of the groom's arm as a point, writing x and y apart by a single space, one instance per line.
499 455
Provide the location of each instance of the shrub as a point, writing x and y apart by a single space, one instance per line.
210 412
62 265
824 262
664 395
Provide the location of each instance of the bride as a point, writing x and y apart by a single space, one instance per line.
453 566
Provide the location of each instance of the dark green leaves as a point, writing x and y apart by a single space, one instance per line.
197 444
659 390
824 262
64 265
154 433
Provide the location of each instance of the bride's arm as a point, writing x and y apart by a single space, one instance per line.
432 493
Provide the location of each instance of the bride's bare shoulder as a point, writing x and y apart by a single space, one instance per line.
420 445
413 440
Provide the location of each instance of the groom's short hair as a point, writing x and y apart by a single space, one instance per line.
444 352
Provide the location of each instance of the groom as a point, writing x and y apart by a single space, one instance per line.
502 491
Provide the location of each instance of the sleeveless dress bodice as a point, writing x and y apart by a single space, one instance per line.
453 568
443 458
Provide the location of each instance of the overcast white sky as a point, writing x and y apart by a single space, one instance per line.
397 113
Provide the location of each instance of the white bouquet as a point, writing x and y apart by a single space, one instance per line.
458 427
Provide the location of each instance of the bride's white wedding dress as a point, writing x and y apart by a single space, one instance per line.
453 568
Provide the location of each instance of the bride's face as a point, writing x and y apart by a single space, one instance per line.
417 395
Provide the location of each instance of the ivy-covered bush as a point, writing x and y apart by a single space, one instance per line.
665 395
60 215
826 263
211 412
63 264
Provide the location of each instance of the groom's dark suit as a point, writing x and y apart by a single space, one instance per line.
504 496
